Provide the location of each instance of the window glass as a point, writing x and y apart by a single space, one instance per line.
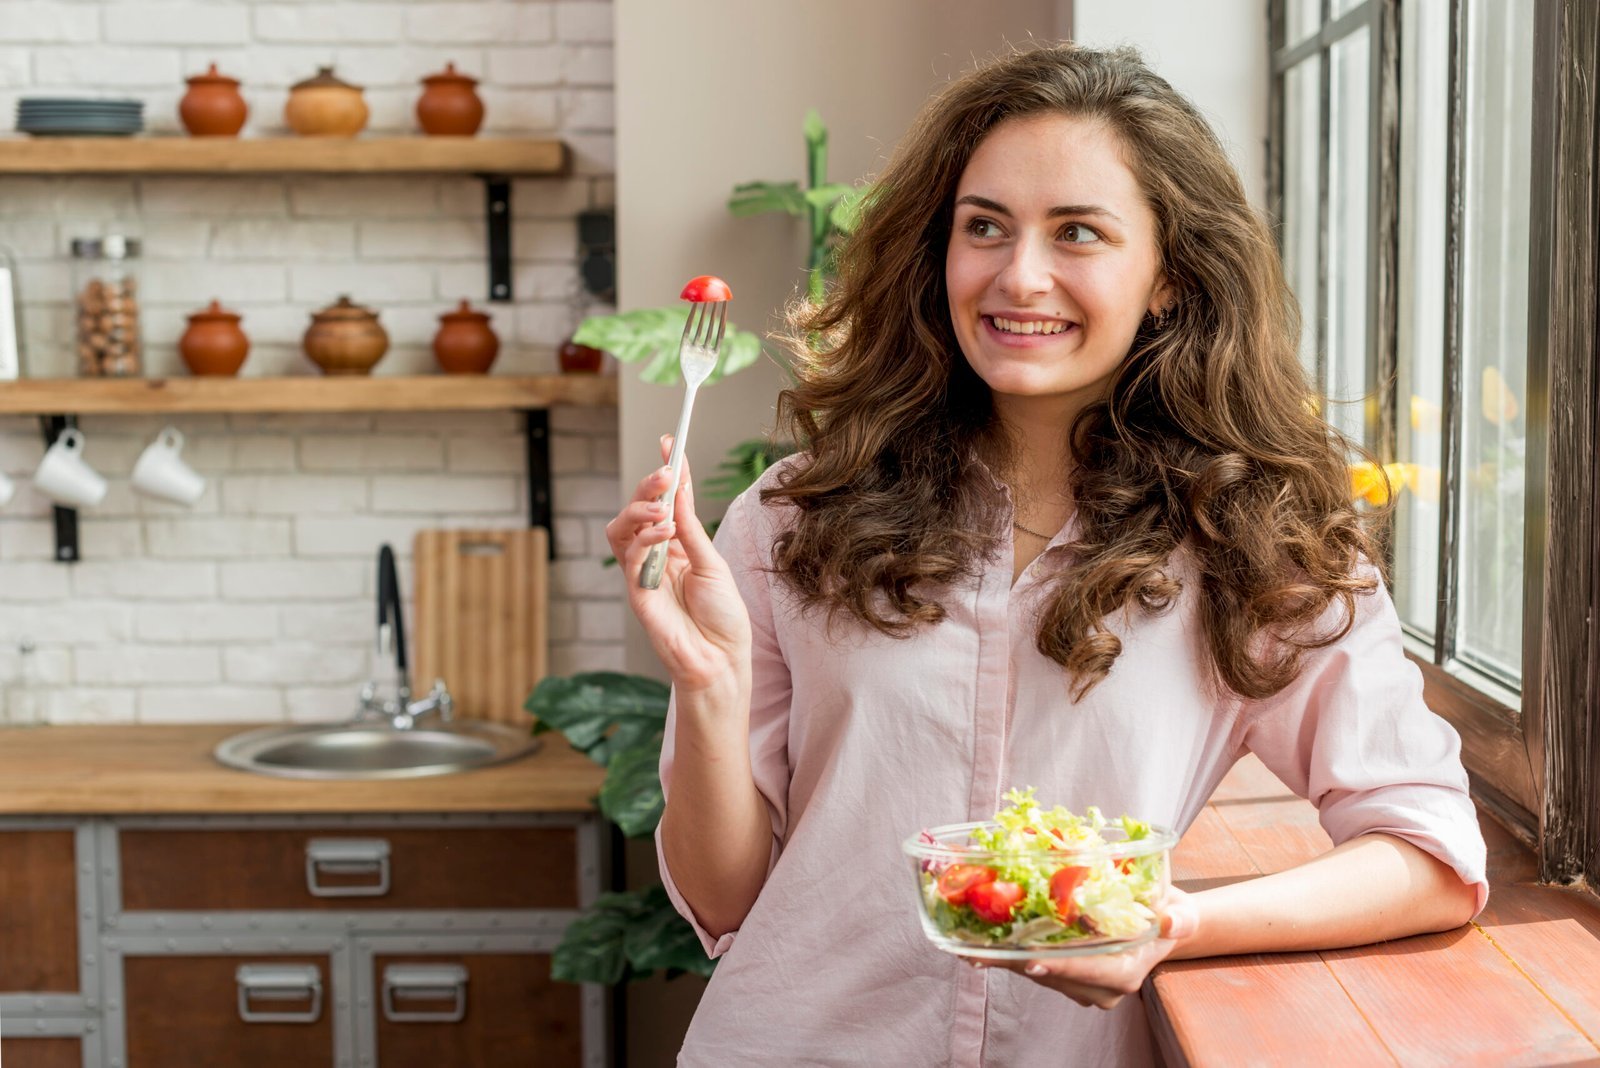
1498 100
1301 19
1347 381
1301 87
1424 133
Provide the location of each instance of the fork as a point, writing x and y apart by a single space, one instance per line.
697 355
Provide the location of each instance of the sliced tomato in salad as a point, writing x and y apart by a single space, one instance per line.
957 881
706 289
994 902
1123 864
1062 884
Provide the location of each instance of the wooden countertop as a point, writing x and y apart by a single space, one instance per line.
124 770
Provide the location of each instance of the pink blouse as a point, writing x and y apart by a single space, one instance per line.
858 741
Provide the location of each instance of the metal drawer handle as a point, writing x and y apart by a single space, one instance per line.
434 982
347 856
279 982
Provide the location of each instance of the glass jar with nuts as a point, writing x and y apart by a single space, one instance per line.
105 279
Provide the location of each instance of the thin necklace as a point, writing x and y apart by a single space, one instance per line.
1035 533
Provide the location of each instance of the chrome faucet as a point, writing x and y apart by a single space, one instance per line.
400 710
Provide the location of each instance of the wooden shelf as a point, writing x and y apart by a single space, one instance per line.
283 155
86 396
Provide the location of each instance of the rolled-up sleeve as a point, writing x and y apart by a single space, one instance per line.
740 539
1353 735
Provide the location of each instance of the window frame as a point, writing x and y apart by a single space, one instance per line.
1534 759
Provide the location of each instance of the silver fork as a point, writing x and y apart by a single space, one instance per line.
697 355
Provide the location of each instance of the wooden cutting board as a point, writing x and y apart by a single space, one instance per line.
480 618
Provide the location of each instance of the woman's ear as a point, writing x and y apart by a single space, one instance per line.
1164 299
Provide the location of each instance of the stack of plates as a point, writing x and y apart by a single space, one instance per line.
78 117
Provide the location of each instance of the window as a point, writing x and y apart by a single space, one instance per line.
1433 177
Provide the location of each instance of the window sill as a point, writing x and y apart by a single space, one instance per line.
1514 986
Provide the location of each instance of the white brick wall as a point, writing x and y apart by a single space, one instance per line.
256 604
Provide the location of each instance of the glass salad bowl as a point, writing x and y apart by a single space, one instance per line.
1039 883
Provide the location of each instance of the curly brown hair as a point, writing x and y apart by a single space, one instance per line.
1205 439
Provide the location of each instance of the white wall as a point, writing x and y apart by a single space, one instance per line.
257 603
1214 52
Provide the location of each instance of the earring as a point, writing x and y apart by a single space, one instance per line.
1165 317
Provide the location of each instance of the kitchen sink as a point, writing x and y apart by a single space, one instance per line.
374 750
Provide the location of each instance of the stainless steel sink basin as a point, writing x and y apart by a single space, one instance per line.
374 750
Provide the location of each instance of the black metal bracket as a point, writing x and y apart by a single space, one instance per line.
536 423
66 518
497 214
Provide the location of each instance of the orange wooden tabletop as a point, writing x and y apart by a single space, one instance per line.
1520 985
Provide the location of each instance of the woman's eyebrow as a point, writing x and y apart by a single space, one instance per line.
1065 209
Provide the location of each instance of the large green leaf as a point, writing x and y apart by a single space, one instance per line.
601 713
593 947
651 336
659 938
758 198
631 795
625 936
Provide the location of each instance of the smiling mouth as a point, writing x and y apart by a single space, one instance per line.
1031 328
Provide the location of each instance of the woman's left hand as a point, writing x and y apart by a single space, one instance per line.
1103 980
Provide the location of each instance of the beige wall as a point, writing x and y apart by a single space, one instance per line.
1215 53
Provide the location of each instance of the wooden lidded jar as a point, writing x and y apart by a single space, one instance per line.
214 344
346 339
213 107
449 105
325 106
465 345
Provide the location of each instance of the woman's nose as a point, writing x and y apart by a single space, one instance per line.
1027 273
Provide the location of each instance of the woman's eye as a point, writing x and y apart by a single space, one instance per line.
981 227
1079 234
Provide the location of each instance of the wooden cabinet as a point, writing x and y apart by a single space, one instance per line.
38 911
316 942
255 1012
30 1052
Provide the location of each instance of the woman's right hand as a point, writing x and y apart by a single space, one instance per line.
696 620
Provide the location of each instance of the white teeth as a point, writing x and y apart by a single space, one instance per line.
1033 326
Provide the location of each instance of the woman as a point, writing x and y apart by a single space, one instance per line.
1064 518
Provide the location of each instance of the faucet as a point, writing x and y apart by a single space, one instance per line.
401 712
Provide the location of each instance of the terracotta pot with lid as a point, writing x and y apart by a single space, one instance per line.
213 107
214 344
325 106
465 344
346 339
449 105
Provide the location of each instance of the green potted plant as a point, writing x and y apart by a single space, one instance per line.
619 720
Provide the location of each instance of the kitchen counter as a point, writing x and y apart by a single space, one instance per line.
124 770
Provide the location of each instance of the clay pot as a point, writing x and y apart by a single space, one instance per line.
214 344
579 359
345 339
213 107
324 106
449 106
464 344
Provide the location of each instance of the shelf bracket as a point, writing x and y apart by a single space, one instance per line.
541 513
66 518
497 214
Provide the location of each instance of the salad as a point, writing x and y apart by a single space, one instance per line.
1042 877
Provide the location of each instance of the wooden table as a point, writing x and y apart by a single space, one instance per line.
103 770
1520 985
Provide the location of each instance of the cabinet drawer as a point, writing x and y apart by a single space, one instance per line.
38 912
496 1009
349 868
41 1052
200 1010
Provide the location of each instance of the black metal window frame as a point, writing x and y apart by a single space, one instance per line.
1534 763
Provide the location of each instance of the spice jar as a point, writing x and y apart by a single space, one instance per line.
213 107
449 105
214 343
345 339
465 343
105 279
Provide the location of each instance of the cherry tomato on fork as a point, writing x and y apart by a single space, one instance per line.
707 289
